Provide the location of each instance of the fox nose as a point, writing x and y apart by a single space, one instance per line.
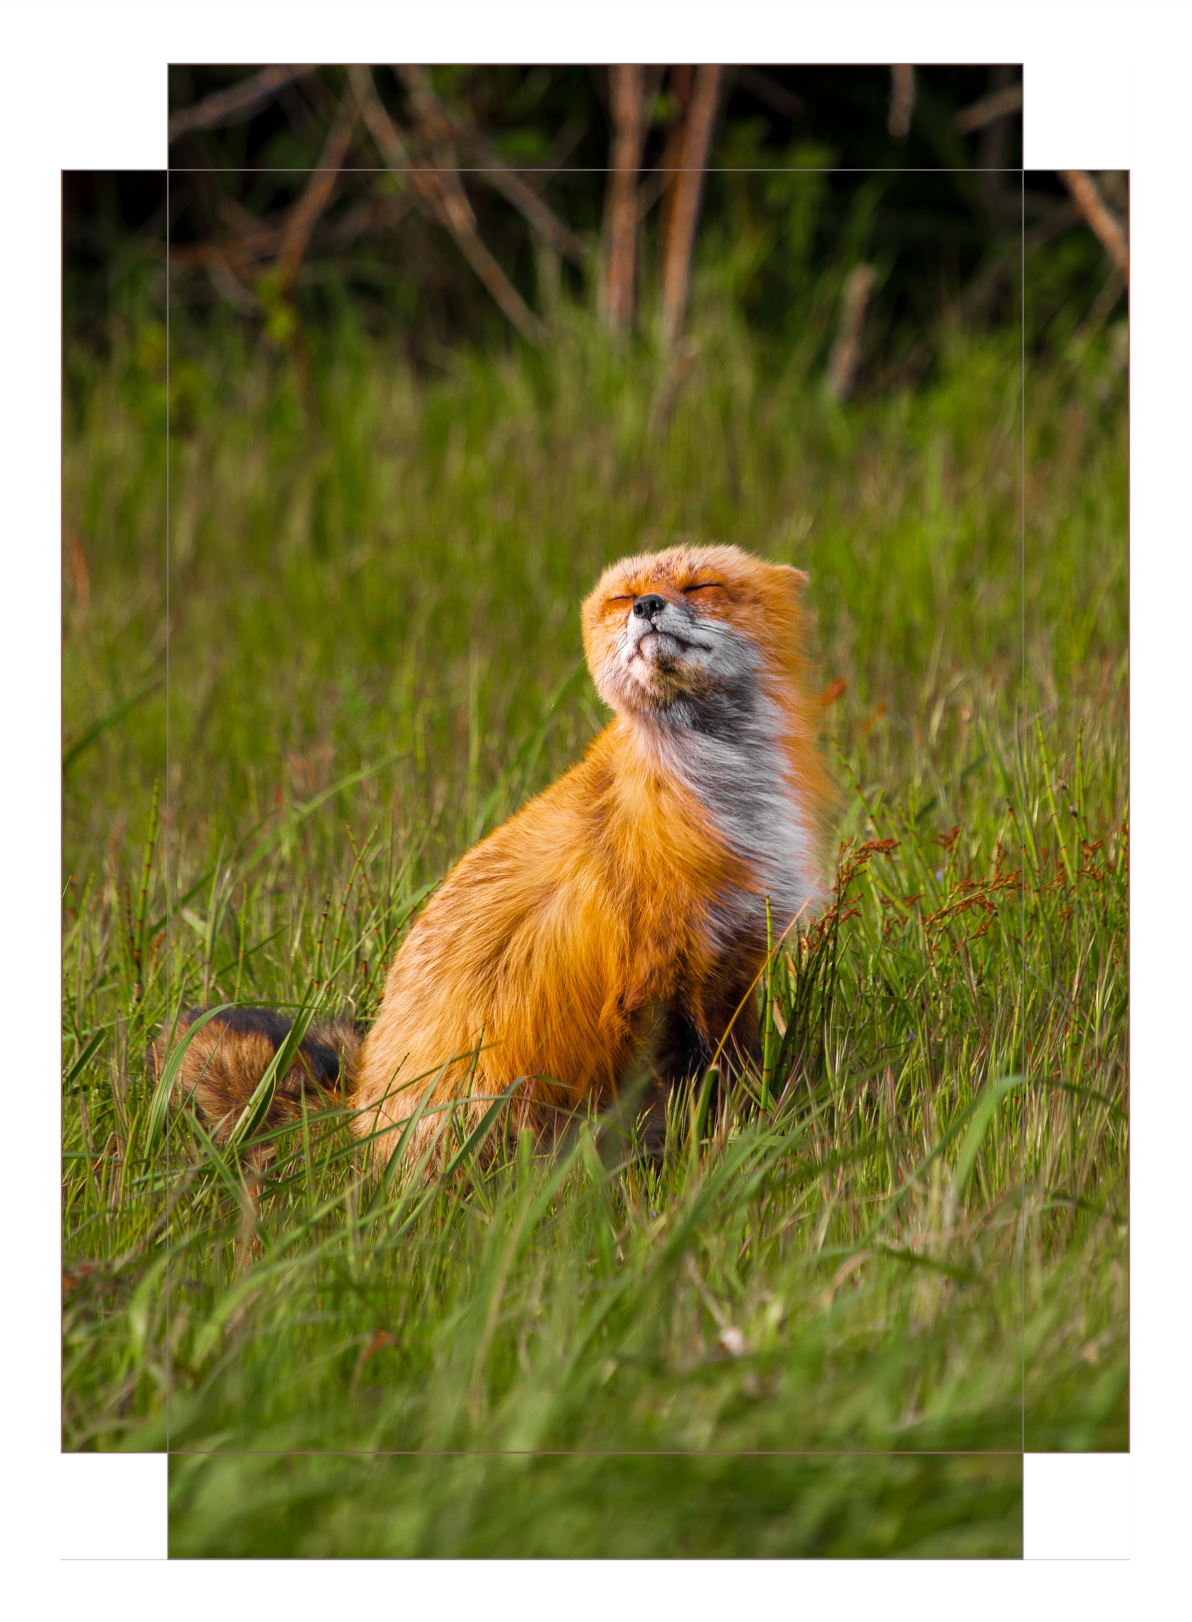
646 607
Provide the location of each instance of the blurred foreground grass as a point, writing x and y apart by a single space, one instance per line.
373 628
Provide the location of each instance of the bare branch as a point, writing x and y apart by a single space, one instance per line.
428 109
999 104
682 77
237 254
318 189
1092 205
902 101
688 184
369 215
846 351
656 184
238 101
627 92
498 174
441 188
504 294
557 153
528 203
388 139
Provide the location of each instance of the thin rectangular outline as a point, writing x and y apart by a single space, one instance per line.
720 171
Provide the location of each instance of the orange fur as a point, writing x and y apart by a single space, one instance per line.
612 908
226 1058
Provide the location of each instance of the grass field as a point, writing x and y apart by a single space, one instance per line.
829 1325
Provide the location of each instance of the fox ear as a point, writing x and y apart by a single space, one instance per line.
801 579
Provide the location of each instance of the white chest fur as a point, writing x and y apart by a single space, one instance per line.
729 754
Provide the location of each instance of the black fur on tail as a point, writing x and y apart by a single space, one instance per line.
228 1056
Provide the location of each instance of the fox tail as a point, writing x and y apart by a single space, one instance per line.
226 1059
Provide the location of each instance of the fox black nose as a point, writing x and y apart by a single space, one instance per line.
646 607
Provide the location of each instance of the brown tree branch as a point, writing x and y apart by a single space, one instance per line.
999 104
440 188
237 255
369 215
846 350
387 138
498 174
627 93
239 99
682 77
318 190
495 172
1092 205
902 101
688 185
557 153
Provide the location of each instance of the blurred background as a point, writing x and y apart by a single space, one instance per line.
535 145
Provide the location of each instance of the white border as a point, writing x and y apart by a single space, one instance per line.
85 89
1076 1506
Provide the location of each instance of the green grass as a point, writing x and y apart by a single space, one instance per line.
373 630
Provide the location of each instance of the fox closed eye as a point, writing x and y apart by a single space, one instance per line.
705 585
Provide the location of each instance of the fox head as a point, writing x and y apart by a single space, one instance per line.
667 630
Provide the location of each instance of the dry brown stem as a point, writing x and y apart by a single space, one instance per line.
495 172
235 255
318 190
388 140
685 194
682 77
999 104
1092 205
526 200
242 98
370 215
627 95
846 351
442 188
902 101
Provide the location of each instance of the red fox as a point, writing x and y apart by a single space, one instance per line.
620 917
